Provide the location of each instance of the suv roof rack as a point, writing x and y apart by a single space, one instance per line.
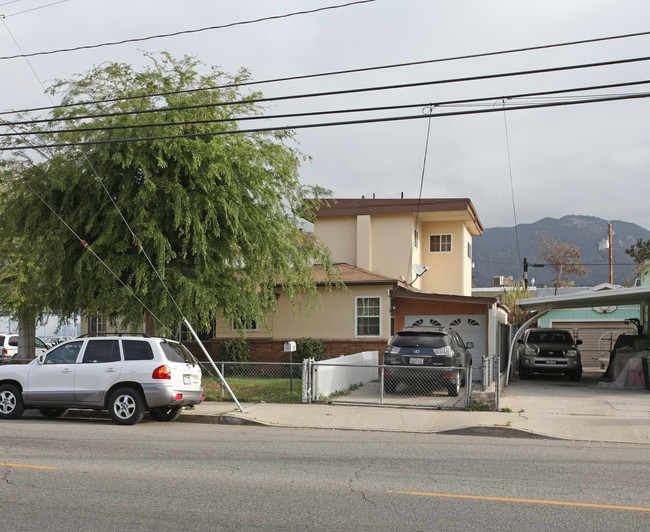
88 335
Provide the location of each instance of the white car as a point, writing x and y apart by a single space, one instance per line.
9 345
126 375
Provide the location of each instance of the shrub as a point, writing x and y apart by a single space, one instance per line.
234 350
309 348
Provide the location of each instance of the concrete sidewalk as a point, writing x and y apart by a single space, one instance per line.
538 408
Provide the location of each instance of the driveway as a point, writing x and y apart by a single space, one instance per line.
557 395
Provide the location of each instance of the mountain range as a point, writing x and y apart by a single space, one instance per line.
500 251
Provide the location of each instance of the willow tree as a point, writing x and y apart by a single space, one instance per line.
201 222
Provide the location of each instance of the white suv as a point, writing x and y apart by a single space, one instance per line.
127 375
9 345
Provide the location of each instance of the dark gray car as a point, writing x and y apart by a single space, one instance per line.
420 355
549 351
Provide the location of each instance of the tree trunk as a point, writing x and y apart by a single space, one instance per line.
26 338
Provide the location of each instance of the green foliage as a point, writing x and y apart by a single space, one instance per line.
509 299
219 216
234 350
640 251
309 348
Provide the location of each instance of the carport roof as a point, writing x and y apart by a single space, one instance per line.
621 296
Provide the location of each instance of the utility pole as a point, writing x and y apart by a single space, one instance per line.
525 273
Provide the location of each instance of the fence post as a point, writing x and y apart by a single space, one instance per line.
497 368
306 380
468 385
223 388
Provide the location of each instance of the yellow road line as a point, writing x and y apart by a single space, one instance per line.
29 466
534 501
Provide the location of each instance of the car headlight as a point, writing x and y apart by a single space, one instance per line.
531 350
572 353
446 351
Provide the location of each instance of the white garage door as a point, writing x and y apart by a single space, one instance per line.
471 328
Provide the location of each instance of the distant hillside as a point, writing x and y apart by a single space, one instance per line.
495 251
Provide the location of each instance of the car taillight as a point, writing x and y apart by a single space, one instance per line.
162 372
4 351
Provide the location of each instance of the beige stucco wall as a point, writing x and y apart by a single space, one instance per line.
449 272
330 316
384 244
392 238
340 236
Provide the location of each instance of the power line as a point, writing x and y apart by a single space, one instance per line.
448 103
183 32
31 9
327 124
340 72
339 92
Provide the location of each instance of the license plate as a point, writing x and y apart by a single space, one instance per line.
187 379
551 362
418 361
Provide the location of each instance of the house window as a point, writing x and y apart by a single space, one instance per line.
440 243
250 325
97 325
368 316
185 335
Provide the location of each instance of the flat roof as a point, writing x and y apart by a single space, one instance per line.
620 296
424 206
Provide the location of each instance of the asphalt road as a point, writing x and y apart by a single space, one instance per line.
93 475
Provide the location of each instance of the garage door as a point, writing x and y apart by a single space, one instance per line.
471 328
597 337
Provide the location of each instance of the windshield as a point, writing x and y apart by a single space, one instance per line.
417 339
550 337
175 352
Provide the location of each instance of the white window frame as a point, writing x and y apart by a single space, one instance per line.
357 316
255 326
441 235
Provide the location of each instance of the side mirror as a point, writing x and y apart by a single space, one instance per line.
469 345
578 342
41 359
520 340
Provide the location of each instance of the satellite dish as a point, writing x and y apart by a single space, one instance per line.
420 270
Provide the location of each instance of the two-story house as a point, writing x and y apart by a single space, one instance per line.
403 262
426 244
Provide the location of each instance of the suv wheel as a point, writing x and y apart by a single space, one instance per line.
166 413
126 406
11 402
453 386
524 373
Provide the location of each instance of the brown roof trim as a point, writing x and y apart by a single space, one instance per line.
401 293
357 206
353 276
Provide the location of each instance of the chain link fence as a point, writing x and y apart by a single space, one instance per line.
254 382
338 381
406 386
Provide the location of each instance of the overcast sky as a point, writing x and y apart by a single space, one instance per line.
591 159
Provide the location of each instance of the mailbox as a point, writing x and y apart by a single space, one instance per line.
289 347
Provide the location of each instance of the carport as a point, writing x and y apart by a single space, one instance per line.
621 296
